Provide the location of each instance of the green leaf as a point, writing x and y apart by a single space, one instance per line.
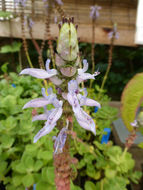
31 149
116 183
38 165
28 162
10 187
3 167
5 14
135 176
81 164
74 187
14 47
43 186
28 180
48 175
110 173
17 180
4 67
132 97
90 170
7 141
19 166
89 185
45 155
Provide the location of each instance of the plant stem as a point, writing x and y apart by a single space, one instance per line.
102 183
62 169
109 66
20 60
93 49
24 39
124 152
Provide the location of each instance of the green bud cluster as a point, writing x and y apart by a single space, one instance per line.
67 45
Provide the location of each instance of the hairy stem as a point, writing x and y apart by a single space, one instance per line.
62 169
24 39
93 49
109 66
62 161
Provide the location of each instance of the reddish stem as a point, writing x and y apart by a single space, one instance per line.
62 169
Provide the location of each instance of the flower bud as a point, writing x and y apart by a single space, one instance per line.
67 46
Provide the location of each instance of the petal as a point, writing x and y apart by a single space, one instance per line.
134 123
38 73
85 67
38 102
44 131
54 115
43 91
56 103
56 80
89 102
61 139
50 91
41 116
86 76
50 71
73 100
72 86
85 121
64 95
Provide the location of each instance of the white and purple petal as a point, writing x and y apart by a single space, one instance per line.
50 71
87 101
56 103
38 102
43 116
72 86
60 140
85 67
134 123
73 100
56 80
54 115
44 131
38 73
85 121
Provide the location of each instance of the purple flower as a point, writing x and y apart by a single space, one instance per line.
94 13
40 73
114 33
60 140
51 116
41 102
134 123
31 23
22 2
59 2
87 101
73 97
84 76
85 121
